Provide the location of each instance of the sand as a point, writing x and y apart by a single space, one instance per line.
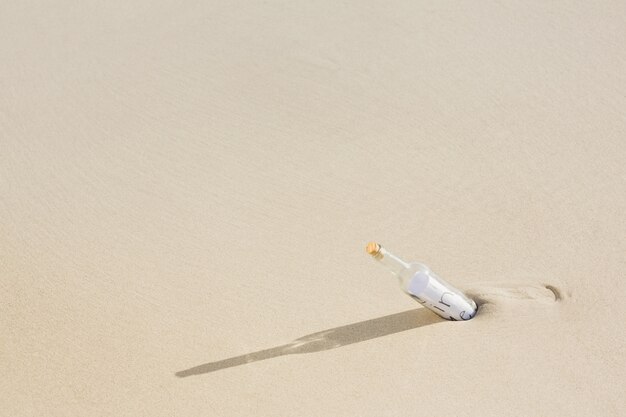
186 190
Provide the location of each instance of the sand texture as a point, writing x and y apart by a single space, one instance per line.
186 190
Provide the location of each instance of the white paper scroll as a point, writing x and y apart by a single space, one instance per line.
440 297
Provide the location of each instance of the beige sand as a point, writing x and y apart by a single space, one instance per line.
188 188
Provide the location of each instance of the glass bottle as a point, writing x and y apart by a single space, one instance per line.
418 281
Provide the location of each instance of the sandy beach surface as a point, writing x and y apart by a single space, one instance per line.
186 190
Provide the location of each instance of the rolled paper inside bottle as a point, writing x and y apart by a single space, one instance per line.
440 297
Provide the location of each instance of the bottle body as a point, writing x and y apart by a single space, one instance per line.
418 281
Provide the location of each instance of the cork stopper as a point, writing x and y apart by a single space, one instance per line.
373 248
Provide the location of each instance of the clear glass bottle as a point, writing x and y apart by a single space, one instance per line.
418 281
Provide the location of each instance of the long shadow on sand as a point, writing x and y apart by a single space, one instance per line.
327 339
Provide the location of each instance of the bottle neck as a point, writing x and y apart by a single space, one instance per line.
391 261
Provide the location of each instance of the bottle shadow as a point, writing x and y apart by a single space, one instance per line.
327 339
